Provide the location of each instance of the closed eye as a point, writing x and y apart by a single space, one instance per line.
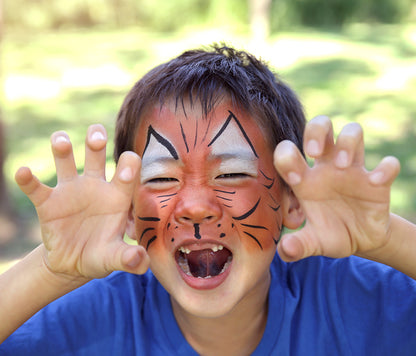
233 176
162 180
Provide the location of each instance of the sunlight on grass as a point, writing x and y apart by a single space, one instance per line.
69 80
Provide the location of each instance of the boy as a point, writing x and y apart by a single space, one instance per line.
207 201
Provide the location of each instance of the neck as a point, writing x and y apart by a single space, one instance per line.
236 333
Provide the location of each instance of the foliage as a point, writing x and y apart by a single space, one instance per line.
159 15
162 15
69 79
333 13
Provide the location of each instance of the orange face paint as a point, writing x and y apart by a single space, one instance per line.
207 207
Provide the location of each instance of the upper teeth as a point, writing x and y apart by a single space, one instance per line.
214 248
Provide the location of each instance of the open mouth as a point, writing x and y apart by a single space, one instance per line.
205 263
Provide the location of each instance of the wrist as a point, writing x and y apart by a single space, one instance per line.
56 280
383 252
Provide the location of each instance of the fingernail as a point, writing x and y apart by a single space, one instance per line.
312 148
293 178
126 174
97 135
61 139
341 160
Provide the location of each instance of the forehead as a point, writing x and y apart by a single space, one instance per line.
187 128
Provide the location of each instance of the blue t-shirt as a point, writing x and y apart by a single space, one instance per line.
317 306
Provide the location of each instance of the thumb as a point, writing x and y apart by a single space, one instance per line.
127 258
296 246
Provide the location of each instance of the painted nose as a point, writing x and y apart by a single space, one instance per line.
197 206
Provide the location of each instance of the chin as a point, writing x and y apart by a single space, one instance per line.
206 304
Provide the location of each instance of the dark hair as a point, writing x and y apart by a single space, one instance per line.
207 76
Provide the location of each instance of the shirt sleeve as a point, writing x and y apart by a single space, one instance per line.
377 307
86 321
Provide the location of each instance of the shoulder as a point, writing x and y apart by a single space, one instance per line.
351 269
116 285
105 315
357 303
344 281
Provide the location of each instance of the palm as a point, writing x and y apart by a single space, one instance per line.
83 218
346 208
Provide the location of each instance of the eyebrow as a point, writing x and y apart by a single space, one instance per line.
155 165
243 161
157 159
241 155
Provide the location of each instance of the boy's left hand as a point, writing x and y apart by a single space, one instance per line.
346 206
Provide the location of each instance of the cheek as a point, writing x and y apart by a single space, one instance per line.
151 216
259 217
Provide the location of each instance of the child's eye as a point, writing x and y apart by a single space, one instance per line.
162 180
233 176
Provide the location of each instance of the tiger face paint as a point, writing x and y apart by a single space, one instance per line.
208 204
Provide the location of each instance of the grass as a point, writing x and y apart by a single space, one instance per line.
68 80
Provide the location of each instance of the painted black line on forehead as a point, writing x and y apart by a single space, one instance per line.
184 138
196 133
229 118
163 141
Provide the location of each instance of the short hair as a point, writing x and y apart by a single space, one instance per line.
206 76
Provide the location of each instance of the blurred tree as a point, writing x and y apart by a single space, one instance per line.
4 200
7 222
171 15
260 19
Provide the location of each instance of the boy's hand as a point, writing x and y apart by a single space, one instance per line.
346 206
83 218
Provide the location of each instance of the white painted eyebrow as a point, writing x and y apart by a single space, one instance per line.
241 161
156 166
241 154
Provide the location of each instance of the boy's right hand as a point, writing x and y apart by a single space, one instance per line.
83 219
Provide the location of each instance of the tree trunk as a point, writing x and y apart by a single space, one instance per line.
8 226
4 199
260 19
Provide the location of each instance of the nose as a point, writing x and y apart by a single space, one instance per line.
197 205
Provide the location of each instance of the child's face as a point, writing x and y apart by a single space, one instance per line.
208 205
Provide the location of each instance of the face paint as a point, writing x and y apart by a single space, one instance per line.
207 207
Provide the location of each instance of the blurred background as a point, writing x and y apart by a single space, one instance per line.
67 64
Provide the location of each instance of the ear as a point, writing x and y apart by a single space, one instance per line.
293 215
130 226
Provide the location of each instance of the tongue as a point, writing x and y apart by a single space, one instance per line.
205 263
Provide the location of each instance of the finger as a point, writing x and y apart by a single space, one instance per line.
128 258
296 246
127 171
386 171
289 162
318 137
350 146
95 148
63 156
31 186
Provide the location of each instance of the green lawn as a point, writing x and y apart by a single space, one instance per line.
69 80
